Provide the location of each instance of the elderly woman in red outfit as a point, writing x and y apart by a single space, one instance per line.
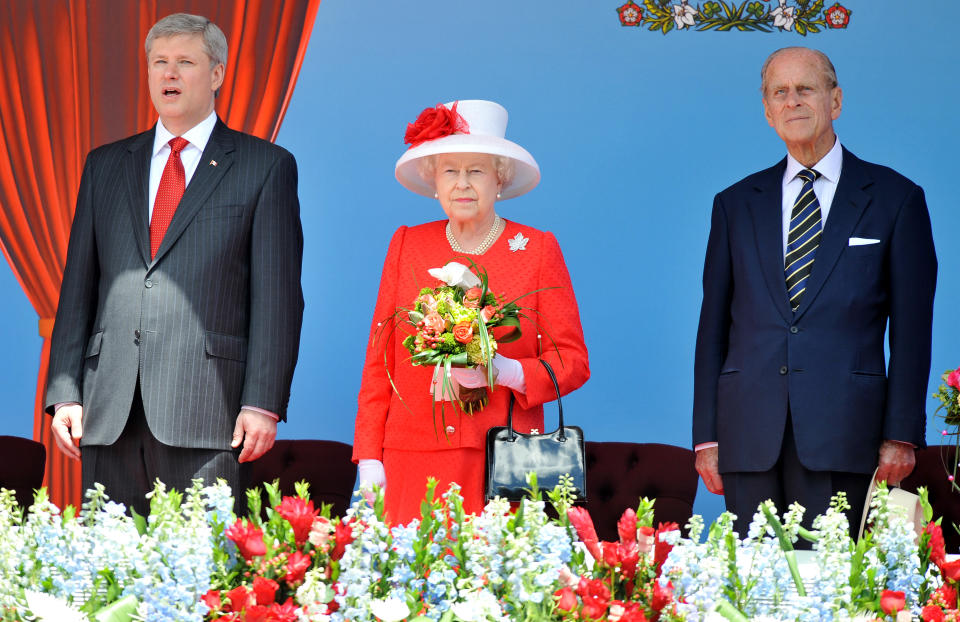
459 156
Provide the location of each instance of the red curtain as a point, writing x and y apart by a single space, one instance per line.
75 79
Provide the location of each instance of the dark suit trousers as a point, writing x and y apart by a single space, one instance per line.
790 481
129 467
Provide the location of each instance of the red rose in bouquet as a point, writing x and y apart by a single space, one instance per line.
435 123
265 590
239 599
296 567
892 601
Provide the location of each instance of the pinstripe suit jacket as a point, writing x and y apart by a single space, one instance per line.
212 322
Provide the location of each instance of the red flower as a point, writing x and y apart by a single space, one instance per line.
287 612
626 612
838 16
343 535
566 599
953 378
581 521
239 597
300 514
630 14
265 590
257 613
951 571
946 596
627 526
296 566
249 539
662 596
938 552
435 123
595 596
932 613
892 602
662 549
212 600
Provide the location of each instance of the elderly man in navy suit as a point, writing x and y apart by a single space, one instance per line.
179 319
807 265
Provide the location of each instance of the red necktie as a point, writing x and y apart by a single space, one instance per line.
169 192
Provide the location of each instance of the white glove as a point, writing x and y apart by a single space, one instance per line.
507 372
371 472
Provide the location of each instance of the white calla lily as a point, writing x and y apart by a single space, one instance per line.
456 275
49 608
389 609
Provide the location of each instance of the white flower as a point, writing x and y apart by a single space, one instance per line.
52 609
783 16
683 15
390 609
456 275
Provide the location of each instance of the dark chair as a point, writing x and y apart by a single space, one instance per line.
22 467
618 474
325 465
934 464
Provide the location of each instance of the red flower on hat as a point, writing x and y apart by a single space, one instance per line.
435 123
838 16
630 14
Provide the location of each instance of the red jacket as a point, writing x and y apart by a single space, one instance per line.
384 420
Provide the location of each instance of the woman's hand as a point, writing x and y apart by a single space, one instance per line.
507 372
371 472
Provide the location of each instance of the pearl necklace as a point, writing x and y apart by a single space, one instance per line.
485 245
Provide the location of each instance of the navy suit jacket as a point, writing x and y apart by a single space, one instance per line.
756 358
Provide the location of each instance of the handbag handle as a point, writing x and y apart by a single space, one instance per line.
560 437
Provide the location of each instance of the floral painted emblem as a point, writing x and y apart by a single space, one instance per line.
630 14
799 16
838 16
518 243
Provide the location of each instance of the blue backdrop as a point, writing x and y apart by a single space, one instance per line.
634 132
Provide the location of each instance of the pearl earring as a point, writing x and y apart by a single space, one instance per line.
498 195
436 195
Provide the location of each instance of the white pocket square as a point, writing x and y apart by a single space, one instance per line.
863 241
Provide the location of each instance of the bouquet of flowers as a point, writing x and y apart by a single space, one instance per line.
949 395
451 327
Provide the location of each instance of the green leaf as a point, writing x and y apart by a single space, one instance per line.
120 611
139 522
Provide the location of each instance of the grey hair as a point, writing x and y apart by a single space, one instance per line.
829 73
427 167
214 41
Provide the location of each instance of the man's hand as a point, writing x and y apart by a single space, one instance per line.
896 462
67 427
256 431
709 469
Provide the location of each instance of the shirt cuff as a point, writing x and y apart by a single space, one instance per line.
272 415
907 443
707 445
60 405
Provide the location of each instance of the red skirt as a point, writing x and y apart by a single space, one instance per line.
407 473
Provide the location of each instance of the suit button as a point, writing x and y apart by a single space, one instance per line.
794 330
783 370
136 342
451 429
136 333
148 283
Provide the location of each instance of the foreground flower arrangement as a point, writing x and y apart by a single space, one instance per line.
193 559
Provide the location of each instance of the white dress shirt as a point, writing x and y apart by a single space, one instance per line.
824 187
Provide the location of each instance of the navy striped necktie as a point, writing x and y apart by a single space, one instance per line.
803 238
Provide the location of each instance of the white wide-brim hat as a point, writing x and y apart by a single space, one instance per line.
487 123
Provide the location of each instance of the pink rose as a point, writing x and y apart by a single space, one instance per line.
463 332
488 312
433 323
953 378
471 298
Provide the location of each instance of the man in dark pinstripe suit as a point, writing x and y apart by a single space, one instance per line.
176 337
